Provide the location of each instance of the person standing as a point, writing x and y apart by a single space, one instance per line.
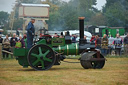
55 35
1 39
6 46
98 42
20 43
30 33
25 40
85 39
13 43
104 45
61 35
118 44
93 38
17 33
74 38
126 44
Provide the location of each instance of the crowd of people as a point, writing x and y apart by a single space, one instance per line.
100 43
15 42
106 48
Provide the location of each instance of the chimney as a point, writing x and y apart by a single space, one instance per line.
81 30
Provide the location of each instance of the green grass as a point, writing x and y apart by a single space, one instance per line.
115 72
112 56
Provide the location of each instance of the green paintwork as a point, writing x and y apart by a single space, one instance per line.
65 49
22 56
43 41
69 49
19 51
113 31
58 41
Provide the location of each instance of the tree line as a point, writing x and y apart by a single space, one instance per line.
64 15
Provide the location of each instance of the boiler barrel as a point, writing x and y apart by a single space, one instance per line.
70 49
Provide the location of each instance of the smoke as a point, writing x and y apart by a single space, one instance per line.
39 25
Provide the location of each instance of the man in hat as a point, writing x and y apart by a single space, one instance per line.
30 33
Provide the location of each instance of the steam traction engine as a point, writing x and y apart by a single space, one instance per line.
50 51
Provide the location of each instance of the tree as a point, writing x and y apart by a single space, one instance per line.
116 12
98 20
18 23
86 8
53 7
5 31
3 18
69 17
64 15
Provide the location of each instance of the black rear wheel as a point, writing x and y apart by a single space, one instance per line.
93 64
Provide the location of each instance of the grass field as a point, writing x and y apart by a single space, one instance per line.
115 72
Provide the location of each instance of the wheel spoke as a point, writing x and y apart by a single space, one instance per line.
42 63
35 55
46 53
40 51
47 59
35 62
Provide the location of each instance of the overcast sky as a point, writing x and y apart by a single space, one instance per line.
6 5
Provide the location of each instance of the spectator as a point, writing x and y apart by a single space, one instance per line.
104 45
13 43
1 39
110 45
25 40
55 35
98 42
118 44
20 43
6 46
17 33
74 38
126 44
93 38
61 36
85 39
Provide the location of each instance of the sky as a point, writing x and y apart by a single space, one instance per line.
7 5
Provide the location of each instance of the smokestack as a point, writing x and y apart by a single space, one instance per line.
81 30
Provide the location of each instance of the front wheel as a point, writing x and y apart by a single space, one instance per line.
41 57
